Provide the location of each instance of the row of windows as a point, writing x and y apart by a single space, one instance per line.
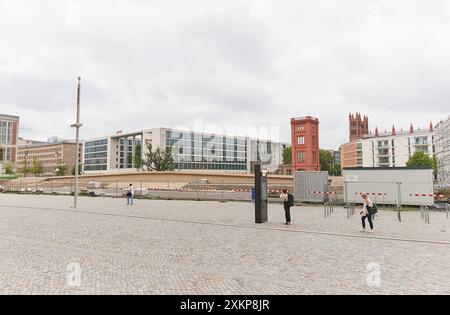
95 167
301 157
190 158
210 166
96 143
95 155
102 148
176 135
193 144
95 161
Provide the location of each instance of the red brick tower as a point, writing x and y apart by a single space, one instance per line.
357 126
305 144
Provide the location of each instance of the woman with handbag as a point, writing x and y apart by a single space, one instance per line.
368 206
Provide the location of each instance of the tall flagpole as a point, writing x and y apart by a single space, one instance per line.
77 141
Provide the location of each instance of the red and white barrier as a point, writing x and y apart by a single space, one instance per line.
322 192
372 193
426 195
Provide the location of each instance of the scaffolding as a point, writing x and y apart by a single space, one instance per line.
442 134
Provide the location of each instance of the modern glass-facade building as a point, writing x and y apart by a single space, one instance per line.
190 151
9 126
96 155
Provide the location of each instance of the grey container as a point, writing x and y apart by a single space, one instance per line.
306 182
389 185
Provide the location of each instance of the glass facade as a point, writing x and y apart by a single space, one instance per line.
96 155
124 152
6 132
6 140
198 151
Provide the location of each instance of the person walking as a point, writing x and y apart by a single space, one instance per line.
366 212
130 194
287 203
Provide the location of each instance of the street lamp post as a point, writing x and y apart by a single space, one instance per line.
26 166
77 125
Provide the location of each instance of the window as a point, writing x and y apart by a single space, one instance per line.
301 157
301 140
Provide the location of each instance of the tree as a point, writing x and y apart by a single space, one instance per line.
158 160
287 155
37 168
9 169
435 166
420 159
326 159
138 162
24 168
61 169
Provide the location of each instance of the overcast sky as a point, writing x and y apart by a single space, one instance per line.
223 65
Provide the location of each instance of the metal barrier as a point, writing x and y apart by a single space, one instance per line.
328 208
447 209
350 210
425 213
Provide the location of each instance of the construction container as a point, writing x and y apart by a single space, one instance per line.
311 186
390 185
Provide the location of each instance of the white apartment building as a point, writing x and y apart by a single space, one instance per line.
395 148
442 139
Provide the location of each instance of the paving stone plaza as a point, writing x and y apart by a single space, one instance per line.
201 247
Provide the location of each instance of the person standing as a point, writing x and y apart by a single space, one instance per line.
130 194
287 203
366 213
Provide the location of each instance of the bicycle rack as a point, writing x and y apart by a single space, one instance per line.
350 210
425 213
328 208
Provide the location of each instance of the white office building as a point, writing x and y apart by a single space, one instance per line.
190 151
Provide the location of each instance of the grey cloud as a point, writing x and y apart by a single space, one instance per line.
247 63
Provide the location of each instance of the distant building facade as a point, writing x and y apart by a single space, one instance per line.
358 126
190 151
442 138
337 157
9 130
388 149
305 144
22 142
51 155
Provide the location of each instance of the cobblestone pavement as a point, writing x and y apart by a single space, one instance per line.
191 247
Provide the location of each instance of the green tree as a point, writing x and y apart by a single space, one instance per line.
138 162
326 159
287 155
158 160
61 169
37 168
9 169
336 170
24 168
435 166
420 159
